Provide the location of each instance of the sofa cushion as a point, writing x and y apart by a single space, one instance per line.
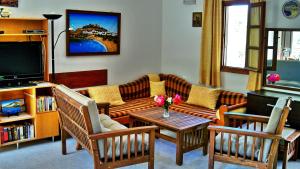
131 106
154 77
176 85
157 88
139 88
195 110
91 104
203 96
231 98
106 94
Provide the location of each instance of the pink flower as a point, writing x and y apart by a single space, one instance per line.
160 100
177 99
273 77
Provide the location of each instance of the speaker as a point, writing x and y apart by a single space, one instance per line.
189 2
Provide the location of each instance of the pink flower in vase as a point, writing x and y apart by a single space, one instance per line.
273 77
177 99
160 100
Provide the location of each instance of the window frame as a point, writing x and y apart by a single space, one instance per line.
260 48
225 68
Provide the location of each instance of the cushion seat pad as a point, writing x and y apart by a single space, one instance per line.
131 106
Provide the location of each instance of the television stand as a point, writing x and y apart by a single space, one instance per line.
17 84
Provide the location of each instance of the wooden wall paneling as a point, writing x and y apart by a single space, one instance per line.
81 79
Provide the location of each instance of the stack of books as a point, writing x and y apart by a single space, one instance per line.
46 103
16 132
12 107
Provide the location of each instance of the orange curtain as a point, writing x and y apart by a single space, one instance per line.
210 62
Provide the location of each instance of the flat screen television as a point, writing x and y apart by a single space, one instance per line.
21 62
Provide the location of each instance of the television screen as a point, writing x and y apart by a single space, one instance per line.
21 60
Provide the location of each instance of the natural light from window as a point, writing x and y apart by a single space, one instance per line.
236 35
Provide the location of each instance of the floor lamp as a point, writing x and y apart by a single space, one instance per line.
52 17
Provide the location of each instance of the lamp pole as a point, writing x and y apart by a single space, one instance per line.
52 17
52 51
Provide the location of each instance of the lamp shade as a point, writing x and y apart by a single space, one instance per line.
52 16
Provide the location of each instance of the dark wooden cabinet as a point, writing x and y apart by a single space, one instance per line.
258 100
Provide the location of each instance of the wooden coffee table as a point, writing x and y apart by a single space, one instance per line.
191 131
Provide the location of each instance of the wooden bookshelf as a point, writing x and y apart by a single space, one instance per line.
45 123
21 116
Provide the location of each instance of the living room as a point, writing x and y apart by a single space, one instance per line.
156 37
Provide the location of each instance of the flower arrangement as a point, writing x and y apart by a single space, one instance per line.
165 102
273 77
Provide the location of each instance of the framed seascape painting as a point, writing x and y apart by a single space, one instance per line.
11 3
92 33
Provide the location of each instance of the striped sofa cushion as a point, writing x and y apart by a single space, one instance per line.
139 88
195 111
131 106
176 85
231 98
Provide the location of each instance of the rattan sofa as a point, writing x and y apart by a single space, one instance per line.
136 94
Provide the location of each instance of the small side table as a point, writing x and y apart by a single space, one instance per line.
290 148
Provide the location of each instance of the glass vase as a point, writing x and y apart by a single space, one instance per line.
166 113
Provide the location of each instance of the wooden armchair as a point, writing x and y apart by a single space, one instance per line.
244 141
109 148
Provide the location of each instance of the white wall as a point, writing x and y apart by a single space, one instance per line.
276 18
180 41
140 36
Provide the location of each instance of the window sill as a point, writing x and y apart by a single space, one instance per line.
234 70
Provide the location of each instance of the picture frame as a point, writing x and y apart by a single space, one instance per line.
197 19
9 3
92 33
291 9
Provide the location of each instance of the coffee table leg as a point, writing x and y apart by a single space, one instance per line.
205 137
179 154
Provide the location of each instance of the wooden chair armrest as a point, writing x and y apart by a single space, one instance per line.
247 117
146 129
225 108
243 132
104 107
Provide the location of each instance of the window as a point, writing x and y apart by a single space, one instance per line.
243 25
235 30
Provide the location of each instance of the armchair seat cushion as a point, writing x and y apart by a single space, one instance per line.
111 125
241 143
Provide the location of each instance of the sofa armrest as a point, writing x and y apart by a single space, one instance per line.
225 108
103 108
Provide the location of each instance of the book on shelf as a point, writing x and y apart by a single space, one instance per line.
46 103
16 132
